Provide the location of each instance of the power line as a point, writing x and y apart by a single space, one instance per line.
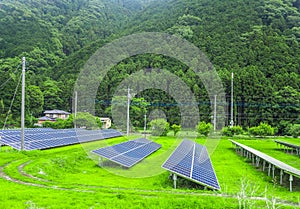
3 84
204 103
12 101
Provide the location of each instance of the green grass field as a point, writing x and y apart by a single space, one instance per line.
69 177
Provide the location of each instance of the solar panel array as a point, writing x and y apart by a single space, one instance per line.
43 138
128 153
191 160
273 161
289 145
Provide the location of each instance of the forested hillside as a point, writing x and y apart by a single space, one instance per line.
257 40
47 33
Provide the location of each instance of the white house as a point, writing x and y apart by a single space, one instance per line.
52 115
57 114
106 123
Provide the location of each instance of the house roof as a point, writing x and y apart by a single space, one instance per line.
45 118
103 119
56 112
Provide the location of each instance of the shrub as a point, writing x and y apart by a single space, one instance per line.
295 130
231 131
262 130
87 120
237 130
227 131
203 128
160 127
176 128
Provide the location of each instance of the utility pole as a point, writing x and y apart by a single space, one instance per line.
145 125
128 106
23 104
75 108
215 113
75 104
231 108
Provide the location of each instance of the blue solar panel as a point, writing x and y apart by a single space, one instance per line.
128 153
43 138
191 160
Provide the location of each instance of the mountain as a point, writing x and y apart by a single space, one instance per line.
257 40
55 25
47 33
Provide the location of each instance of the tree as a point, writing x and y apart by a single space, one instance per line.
86 120
35 100
159 127
204 128
295 130
138 108
286 108
176 128
98 121
51 92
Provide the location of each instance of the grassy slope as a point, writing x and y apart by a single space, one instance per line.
69 167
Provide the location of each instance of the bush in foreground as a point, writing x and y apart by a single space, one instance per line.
231 131
160 127
176 128
262 130
203 128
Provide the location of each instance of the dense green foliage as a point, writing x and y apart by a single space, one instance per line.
295 130
231 131
262 130
60 123
257 40
87 120
82 120
159 127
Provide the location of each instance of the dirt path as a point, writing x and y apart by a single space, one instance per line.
8 178
23 173
3 175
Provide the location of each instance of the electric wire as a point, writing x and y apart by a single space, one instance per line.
5 82
12 101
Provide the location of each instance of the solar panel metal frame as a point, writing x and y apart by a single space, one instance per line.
192 165
134 161
292 147
277 163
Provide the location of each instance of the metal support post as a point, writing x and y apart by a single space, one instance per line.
174 180
291 182
281 176
269 170
257 161
264 165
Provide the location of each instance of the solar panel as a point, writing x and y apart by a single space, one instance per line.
43 138
289 146
128 153
191 161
